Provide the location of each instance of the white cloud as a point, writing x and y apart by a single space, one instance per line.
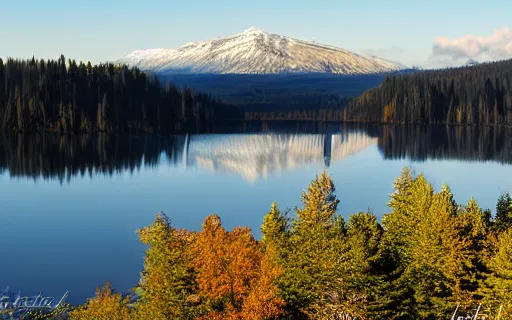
497 46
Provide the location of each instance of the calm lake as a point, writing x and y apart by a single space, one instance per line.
69 206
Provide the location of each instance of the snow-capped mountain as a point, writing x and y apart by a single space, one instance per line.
256 52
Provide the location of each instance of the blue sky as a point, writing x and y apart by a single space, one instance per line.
105 30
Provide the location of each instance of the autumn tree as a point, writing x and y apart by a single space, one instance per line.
106 305
427 256
264 300
227 266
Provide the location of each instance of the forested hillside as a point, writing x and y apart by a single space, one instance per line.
38 95
479 94
280 92
424 258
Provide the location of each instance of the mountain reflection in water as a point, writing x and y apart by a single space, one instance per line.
189 177
250 155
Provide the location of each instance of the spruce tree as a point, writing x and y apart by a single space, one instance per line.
504 212
364 276
274 228
474 228
497 290
313 280
166 280
432 261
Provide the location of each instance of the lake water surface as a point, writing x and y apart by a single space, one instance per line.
69 206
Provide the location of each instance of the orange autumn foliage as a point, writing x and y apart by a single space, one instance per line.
263 301
233 274
213 274
388 113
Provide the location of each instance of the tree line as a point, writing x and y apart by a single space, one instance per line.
470 95
420 143
424 258
64 157
336 114
38 95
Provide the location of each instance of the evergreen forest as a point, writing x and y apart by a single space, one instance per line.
66 97
428 256
470 95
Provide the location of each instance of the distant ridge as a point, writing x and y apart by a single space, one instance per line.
256 52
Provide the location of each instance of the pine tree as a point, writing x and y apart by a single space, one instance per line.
313 281
274 228
319 204
423 244
364 234
474 231
497 290
504 212
438 257
166 281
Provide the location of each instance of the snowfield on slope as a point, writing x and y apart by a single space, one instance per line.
256 52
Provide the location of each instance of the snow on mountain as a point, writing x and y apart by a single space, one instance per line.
256 52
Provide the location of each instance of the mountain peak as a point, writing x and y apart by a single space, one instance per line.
252 30
256 52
